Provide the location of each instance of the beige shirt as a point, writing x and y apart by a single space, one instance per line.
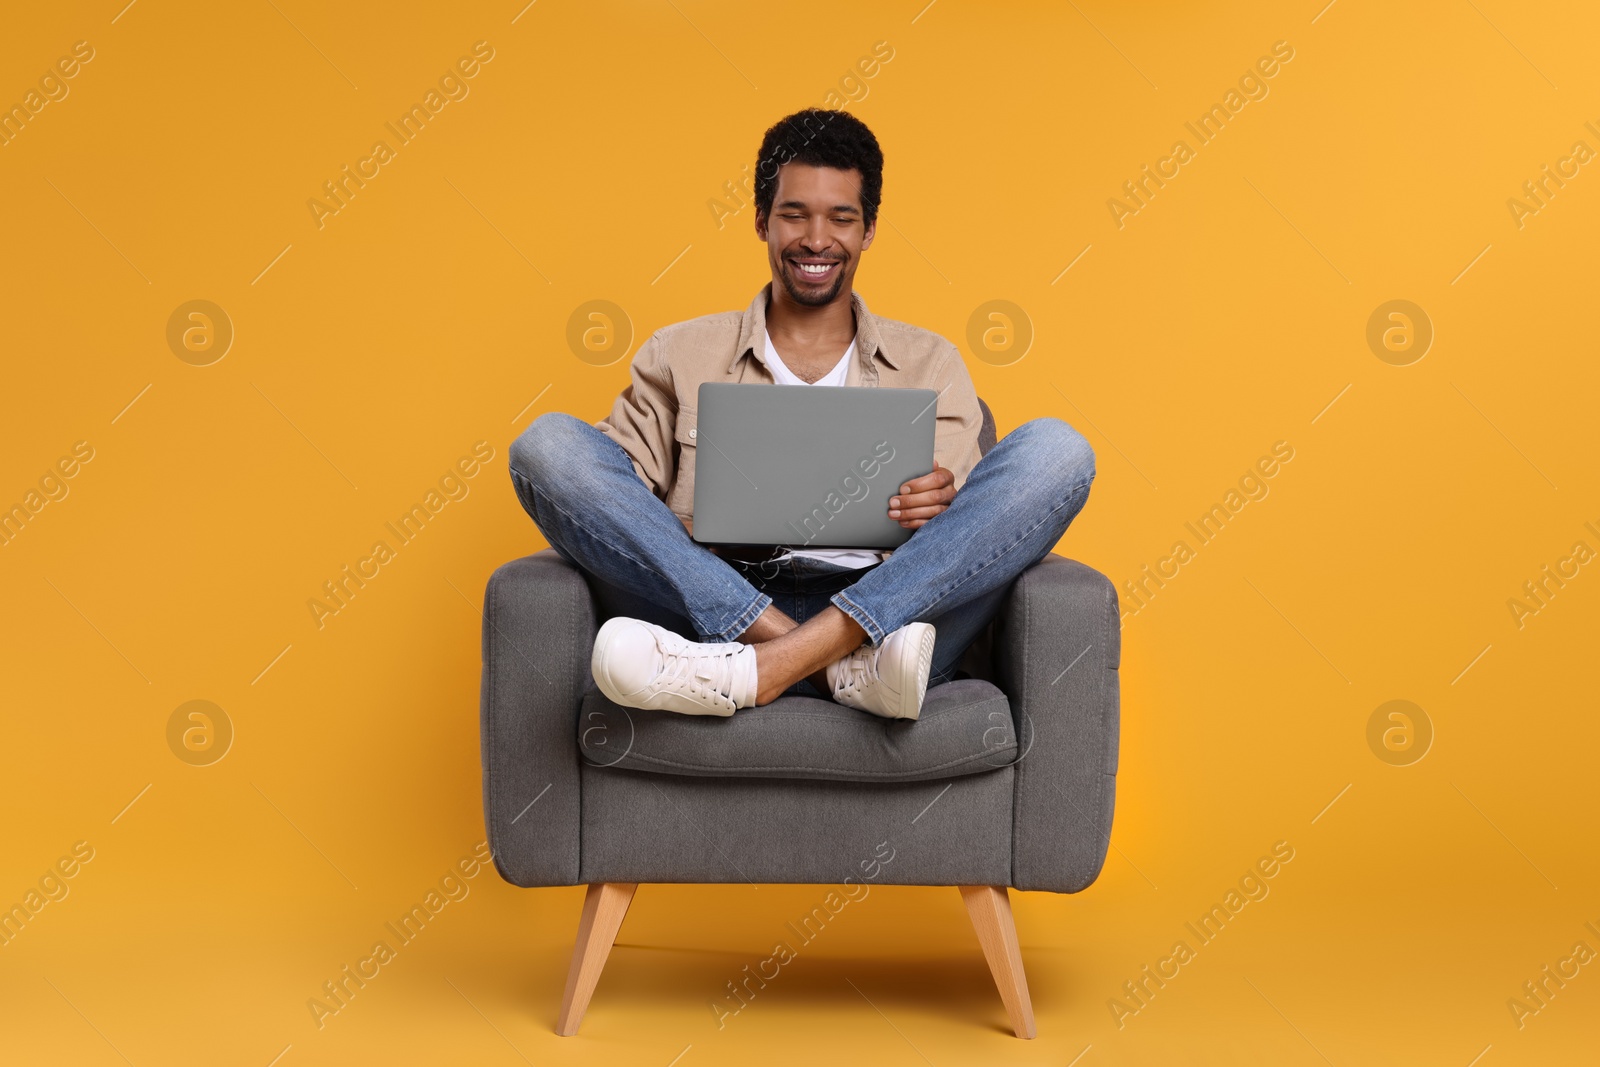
654 418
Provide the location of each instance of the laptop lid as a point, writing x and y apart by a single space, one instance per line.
807 466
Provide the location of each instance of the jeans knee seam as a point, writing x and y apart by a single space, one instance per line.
752 613
997 556
1000 554
569 515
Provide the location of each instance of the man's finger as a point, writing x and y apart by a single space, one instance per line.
940 478
919 500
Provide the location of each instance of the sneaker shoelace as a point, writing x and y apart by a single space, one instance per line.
856 673
700 671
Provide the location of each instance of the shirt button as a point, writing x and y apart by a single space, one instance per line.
693 432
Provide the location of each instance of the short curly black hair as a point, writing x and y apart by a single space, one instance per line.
821 138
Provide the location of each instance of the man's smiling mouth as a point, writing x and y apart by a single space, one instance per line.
815 269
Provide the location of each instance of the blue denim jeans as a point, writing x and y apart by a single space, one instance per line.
583 493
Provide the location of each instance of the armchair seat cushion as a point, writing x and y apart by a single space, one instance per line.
965 727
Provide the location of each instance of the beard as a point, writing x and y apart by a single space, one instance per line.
811 297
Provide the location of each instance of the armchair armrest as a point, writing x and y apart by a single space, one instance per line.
1057 648
538 633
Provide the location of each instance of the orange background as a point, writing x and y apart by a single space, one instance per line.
431 312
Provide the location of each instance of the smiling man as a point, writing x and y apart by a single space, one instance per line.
706 632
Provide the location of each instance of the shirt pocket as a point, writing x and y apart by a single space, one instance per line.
685 433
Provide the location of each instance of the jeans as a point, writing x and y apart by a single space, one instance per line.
581 490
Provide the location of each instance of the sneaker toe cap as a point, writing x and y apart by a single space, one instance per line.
625 656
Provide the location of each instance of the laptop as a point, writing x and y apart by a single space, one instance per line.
807 466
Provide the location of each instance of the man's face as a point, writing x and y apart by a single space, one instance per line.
816 233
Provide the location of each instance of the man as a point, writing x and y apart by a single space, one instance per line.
869 630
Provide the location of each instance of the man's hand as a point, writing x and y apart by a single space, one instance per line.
922 498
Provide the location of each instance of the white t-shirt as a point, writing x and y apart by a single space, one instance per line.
854 558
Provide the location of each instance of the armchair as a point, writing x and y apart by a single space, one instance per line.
1006 780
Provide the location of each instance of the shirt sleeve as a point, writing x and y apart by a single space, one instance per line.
643 417
955 435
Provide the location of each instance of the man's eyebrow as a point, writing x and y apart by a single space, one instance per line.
849 208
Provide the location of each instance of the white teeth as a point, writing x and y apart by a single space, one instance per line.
809 269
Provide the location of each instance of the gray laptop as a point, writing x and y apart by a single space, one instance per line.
807 466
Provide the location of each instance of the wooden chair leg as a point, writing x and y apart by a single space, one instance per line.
989 907
604 906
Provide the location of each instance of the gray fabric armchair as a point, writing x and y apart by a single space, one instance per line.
1007 779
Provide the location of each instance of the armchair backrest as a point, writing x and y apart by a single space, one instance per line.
986 435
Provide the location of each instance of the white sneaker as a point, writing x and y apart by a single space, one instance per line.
889 680
641 665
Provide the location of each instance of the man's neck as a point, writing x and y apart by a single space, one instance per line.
830 326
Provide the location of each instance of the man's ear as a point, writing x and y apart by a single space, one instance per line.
761 226
866 238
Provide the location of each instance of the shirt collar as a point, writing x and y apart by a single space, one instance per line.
753 326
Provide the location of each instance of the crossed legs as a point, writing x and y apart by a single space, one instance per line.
787 651
1014 507
581 488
